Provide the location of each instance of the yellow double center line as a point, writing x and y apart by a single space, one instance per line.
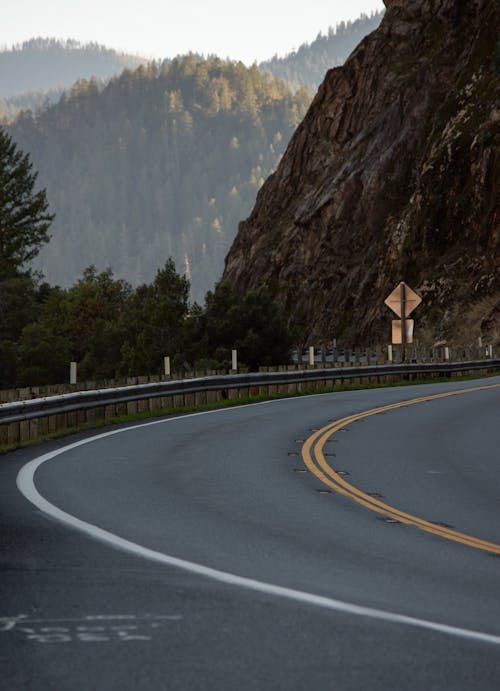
314 458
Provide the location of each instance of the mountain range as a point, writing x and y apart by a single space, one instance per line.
162 162
48 64
162 159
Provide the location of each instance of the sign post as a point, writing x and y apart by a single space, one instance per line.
403 320
403 301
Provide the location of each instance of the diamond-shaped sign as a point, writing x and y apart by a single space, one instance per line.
403 300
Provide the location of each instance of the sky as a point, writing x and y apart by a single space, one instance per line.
249 31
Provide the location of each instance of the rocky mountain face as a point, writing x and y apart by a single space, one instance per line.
394 174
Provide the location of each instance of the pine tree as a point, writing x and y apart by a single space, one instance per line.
24 217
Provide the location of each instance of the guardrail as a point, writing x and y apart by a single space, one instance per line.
23 421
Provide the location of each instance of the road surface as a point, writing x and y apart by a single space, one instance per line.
197 553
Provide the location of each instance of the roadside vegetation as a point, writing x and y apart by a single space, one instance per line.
108 327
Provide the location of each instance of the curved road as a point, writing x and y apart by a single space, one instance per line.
225 562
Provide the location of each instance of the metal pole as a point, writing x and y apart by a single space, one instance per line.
403 322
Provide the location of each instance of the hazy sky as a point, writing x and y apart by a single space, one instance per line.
248 31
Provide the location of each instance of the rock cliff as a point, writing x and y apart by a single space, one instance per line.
394 174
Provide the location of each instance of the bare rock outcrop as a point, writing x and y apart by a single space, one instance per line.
394 174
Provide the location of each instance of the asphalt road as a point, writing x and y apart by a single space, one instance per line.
280 586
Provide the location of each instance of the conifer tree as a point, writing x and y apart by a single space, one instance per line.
24 216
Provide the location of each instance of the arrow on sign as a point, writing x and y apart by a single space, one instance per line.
403 300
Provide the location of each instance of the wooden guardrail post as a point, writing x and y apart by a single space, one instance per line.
28 419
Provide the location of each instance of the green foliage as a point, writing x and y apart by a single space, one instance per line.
24 217
45 348
112 330
18 305
8 364
97 313
163 161
155 322
86 323
252 323
20 300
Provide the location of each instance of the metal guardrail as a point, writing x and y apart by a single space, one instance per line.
20 411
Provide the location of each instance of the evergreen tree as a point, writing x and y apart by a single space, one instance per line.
24 217
155 322
253 323
97 318
19 305
24 223
44 348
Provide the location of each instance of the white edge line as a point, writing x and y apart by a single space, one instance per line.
26 485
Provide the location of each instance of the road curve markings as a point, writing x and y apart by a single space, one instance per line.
314 458
26 485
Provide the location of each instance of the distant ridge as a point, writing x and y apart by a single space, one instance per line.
308 65
48 63
37 72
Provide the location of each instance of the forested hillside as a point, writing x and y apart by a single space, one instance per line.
308 65
107 326
46 63
30 100
163 161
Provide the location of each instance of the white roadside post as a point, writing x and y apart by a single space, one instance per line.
234 360
166 365
490 351
446 353
389 353
72 372
311 356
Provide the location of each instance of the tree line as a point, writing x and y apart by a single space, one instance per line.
109 327
48 63
308 65
37 72
164 160
113 330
